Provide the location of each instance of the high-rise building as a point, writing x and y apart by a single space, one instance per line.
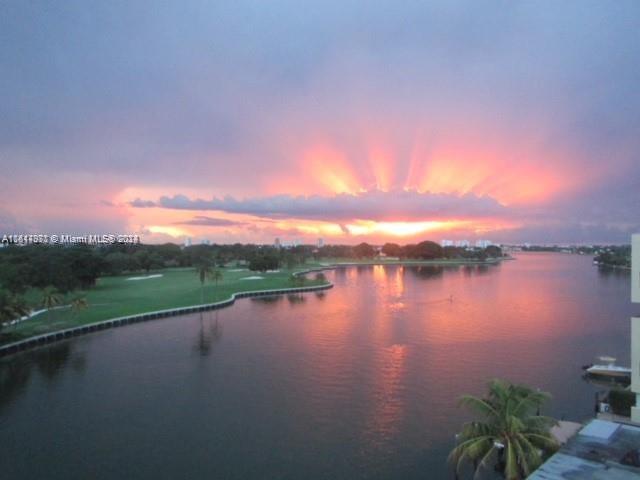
187 241
277 243
635 268
320 243
635 326
446 243
463 243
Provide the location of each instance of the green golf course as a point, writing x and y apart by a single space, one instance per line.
123 295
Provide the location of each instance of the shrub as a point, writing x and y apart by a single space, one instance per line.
621 402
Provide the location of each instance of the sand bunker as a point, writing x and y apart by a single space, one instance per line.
145 278
255 277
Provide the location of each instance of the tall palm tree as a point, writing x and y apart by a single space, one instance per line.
512 436
204 271
50 299
19 306
79 303
216 276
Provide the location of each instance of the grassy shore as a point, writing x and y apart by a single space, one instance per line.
176 287
117 296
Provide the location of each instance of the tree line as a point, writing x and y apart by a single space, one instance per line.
614 256
69 268
428 250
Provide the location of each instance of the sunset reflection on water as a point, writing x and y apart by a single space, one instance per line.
360 382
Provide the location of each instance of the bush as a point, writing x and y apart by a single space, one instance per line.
621 402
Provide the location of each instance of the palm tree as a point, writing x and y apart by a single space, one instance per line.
79 303
19 306
297 280
12 307
216 276
512 436
204 271
50 298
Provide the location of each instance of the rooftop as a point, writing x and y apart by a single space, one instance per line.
601 450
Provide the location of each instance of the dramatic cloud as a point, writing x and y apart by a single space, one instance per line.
374 205
203 221
139 203
518 113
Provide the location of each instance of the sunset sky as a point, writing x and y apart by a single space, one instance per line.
351 121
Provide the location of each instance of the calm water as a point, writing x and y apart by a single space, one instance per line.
359 382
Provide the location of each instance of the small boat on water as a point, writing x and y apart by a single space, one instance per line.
607 368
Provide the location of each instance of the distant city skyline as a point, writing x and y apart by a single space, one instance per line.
242 122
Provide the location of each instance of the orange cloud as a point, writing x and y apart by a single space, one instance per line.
331 169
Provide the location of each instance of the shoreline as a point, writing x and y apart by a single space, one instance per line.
419 263
35 341
608 265
63 334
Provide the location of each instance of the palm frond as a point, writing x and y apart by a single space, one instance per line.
484 463
540 422
530 401
479 405
545 442
468 449
511 468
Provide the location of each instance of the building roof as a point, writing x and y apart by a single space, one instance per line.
565 430
601 450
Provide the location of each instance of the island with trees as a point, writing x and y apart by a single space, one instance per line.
614 256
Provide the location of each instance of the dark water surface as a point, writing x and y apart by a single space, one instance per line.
357 382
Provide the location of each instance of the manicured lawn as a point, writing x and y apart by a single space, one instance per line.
116 296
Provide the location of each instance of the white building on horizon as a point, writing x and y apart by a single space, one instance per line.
463 243
287 243
446 243
483 243
635 326
187 241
